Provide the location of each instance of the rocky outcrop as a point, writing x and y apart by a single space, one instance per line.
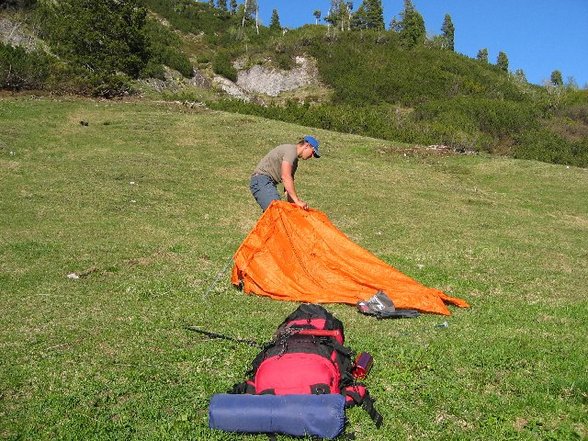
270 81
230 88
251 85
15 34
199 80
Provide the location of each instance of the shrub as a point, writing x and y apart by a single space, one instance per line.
23 70
110 85
544 145
222 65
576 112
104 37
497 118
17 4
193 17
164 47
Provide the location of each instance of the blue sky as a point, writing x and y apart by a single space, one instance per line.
538 36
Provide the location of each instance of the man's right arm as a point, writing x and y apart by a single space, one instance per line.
289 187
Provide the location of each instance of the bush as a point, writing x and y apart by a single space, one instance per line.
222 65
23 70
164 48
544 145
105 37
497 118
17 4
110 85
193 17
576 112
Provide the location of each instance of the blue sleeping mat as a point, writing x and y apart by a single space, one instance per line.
297 415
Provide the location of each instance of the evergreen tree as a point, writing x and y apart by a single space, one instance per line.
374 14
482 55
317 15
233 7
222 5
211 3
359 19
103 36
395 24
448 32
338 14
275 21
502 61
412 25
556 78
520 76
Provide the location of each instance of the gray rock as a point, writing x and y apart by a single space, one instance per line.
271 81
16 34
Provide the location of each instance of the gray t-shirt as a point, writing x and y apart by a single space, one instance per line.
271 164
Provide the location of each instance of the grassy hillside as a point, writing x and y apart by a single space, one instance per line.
147 202
371 84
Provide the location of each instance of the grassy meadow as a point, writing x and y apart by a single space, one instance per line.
144 202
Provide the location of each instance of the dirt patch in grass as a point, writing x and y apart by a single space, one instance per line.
431 150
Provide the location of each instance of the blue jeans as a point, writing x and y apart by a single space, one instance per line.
263 188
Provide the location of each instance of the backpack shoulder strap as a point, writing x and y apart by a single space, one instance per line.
246 387
358 395
368 406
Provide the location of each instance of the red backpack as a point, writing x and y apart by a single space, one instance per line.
308 356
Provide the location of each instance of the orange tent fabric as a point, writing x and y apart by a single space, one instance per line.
297 255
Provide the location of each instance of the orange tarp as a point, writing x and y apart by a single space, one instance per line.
297 255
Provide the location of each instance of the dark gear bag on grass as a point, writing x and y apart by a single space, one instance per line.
381 306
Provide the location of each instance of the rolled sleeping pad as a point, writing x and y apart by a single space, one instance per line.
296 415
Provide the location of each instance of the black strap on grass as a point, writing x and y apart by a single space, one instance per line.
368 406
367 403
224 337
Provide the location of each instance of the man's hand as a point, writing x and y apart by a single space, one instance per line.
300 203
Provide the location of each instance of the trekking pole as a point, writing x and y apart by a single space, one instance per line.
219 275
224 337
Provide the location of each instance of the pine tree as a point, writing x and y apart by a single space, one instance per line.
448 32
233 7
275 21
105 37
317 15
502 61
338 14
222 5
359 19
374 14
395 24
482 55
412 25
556 78
520 76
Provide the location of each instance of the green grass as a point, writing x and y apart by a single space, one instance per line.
149 200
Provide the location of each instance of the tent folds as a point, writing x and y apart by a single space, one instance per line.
299 255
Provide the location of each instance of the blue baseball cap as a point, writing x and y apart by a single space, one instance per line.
314 144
